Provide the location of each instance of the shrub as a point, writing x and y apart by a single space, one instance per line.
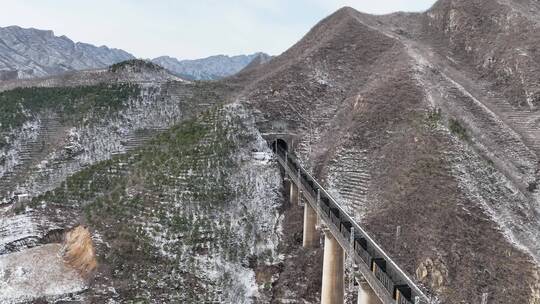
533 186
434 117
457 129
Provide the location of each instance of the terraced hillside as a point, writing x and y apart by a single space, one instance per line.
48 144
181 219
43 115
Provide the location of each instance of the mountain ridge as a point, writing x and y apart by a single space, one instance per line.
30 52
34 53
209 68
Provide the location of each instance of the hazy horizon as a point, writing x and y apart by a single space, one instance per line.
187 30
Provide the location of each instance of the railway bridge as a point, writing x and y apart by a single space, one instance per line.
342 235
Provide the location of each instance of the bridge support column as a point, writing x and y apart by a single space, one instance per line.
311 235
293 193
366 295
333 271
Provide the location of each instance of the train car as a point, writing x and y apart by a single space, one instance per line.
360 243
402 294
378 267
294 166
345 229
303 177
325 205
335 217
312 185
361 248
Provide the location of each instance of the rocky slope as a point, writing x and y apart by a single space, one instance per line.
27 53
427 122
211 68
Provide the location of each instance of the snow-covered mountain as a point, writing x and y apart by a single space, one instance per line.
27 53
210 68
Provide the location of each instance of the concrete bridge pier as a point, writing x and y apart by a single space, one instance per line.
366 295
333 271
293 193
311 235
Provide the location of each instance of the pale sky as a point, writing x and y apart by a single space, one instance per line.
187 29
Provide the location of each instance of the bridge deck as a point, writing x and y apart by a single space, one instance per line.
379 270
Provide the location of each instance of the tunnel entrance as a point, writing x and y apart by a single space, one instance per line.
280 144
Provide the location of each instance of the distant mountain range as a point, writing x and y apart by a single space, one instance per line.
30 53
214 67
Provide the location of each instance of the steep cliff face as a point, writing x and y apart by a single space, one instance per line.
412 137
26 53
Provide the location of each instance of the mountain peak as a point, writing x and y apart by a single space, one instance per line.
346 10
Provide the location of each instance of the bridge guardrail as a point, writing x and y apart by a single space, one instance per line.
390 276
